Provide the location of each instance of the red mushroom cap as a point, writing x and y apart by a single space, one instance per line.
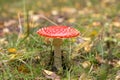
58 32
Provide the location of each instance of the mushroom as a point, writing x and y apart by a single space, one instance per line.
58 33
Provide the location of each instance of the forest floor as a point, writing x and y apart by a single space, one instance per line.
94 55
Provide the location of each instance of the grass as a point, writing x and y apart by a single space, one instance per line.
96 58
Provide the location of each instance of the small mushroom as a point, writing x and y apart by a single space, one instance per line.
58 33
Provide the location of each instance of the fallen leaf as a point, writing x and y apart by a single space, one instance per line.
71 20
96 15
99 59
86 64
116 24
117 35
96 23
9 23
6 30
51 75
35 18
117 75
118 64
60 20
23 68
69 10
81 43
1 25
88 47
79 40
12 50
3 41
93 33
54 12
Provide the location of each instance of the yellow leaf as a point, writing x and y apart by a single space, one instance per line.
93 33
48 72
80 46
73 39
84 44
87 48
23 68
12 50
86 64
96 23
68 10
71 20
118 64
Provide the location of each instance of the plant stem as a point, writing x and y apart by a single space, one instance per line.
57 54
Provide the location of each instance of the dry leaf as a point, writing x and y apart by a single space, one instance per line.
88 47
71 20
35 18
99 59
54 12
69 10
118 63
3 41
6 30
116 24
117 75
81 43
96 23
23 68
51 75
60 20
96 15
86 64
1 24
12 50
93 33
9 23
79 40
117 35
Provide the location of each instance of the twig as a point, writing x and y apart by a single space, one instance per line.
49 20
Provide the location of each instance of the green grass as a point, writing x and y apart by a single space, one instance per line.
33 55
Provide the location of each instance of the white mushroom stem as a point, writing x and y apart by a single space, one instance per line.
57 54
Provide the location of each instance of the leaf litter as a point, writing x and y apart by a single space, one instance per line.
68 16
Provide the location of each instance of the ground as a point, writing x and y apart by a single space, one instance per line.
94 55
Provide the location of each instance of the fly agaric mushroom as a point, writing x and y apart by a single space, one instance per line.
58 33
